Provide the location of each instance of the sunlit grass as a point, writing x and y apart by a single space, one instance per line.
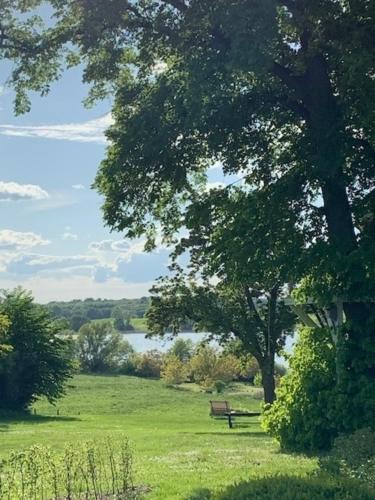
177 446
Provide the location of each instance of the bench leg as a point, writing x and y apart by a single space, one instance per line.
230 423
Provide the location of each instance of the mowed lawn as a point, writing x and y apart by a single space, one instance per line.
177 447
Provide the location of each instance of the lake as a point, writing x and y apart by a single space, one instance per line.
142 344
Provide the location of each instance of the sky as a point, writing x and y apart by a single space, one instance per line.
52 237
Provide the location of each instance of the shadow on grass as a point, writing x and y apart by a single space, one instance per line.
23 418
320 487
258 435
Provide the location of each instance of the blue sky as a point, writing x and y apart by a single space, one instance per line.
52 237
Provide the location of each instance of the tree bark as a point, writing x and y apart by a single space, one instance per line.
267 367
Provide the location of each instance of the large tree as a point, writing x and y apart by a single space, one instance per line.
280 91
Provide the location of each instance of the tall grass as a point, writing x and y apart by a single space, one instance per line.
87 470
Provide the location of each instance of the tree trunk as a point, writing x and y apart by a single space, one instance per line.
267 367
357 357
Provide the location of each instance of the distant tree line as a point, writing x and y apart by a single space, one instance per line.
79 312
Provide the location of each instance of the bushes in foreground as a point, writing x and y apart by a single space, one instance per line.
352 456
305 415
85 470
294 488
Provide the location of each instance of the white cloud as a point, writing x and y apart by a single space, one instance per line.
32 264
78 187
12 191
47 288
124 247
14 240
89 131
69 236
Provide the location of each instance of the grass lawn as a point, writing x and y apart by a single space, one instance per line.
177 446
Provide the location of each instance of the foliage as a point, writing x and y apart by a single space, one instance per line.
293 488
352 456
83 470
258 380
149 364
118 319
305 415
38 362
207 366
182 348
4 327
174 371
79 312
101 349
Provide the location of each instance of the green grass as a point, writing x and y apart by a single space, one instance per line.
177 446
140 324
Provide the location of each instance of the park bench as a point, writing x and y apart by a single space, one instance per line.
222 409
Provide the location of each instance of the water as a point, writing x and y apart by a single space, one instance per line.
143 344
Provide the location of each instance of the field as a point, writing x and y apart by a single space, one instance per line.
178 448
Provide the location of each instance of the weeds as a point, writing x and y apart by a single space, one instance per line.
98 471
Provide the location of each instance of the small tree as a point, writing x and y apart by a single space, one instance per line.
118 319
100 348
224 310
38 361
182 349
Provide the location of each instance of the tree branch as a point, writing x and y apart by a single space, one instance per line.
253 309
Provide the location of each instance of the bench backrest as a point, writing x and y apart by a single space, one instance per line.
219 407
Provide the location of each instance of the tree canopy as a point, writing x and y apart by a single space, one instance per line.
38 362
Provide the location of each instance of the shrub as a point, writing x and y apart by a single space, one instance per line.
219 386
207 366
353 456
149 364
258 379
249 367
36 361
305 416
101 349
85 470
174 371
295 488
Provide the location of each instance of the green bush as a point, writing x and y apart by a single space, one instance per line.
295 488
353 456
35 361
258 379
305 415
208 365
174 371
149 364
219 386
